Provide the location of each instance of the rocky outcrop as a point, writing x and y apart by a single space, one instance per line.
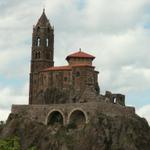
102 133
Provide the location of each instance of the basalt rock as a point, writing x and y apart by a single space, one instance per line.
102 133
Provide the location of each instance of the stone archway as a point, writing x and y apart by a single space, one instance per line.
55 118
78 118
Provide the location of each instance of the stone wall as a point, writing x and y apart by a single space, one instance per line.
41 113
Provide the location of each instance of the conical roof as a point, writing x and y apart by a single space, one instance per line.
80 54
43 20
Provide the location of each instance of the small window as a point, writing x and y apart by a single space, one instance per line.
38 29
47 42
37 55
38 41
65 79
77 74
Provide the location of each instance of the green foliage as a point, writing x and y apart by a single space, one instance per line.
32 148
10 144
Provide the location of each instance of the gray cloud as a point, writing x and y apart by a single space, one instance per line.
144 112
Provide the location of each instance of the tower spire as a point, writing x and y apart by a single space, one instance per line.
43 9
43 20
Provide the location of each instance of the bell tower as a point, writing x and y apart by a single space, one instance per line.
42 51
42 45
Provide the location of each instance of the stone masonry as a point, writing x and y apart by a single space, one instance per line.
65 94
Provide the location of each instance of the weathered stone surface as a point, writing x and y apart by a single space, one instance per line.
40 113
104 132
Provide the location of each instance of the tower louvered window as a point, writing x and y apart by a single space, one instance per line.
47 42
38 41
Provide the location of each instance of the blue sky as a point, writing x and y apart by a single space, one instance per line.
117 32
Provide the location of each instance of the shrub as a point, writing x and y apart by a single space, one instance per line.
10 144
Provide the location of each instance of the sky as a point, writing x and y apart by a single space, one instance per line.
116 32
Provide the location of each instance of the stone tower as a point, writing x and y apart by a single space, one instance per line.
42 52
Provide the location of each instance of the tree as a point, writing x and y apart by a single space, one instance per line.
10 144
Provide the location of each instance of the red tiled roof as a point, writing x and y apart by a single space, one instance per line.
58 68
80 54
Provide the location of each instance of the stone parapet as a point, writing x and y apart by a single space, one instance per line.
40 113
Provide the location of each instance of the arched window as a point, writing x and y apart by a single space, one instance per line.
47 42
77 119
37 55
115 100
38 29
65 79
38 41
77 74
55 119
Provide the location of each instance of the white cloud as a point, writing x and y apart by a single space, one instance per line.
4 114
9 96
144 112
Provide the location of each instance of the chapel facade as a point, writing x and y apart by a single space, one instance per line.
51 84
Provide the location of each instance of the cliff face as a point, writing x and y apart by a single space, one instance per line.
103 133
